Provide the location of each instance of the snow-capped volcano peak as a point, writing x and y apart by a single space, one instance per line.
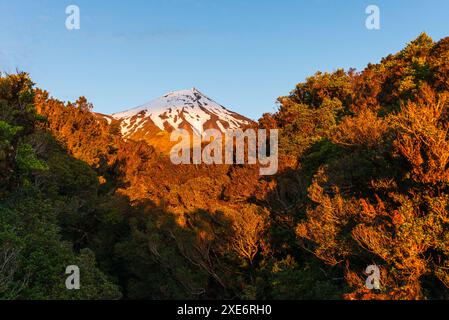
185 109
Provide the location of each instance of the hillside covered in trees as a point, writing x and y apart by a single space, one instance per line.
363 179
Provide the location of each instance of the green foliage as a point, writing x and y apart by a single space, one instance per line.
33 255
26 159
7 131
290 282
320 153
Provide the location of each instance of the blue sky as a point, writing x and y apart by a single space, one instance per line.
242 53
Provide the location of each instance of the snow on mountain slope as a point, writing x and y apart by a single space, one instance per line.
185 109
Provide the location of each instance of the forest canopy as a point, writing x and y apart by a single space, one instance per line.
363 180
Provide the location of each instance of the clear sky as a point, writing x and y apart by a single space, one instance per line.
241 53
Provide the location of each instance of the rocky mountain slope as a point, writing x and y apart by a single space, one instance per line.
185 109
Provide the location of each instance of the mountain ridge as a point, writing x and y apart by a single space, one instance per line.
183 109
189 109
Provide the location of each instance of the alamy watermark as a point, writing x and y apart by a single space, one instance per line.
373 280
372 22
214 147
72 282
73 20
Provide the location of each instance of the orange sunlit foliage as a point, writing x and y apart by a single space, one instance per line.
363 179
